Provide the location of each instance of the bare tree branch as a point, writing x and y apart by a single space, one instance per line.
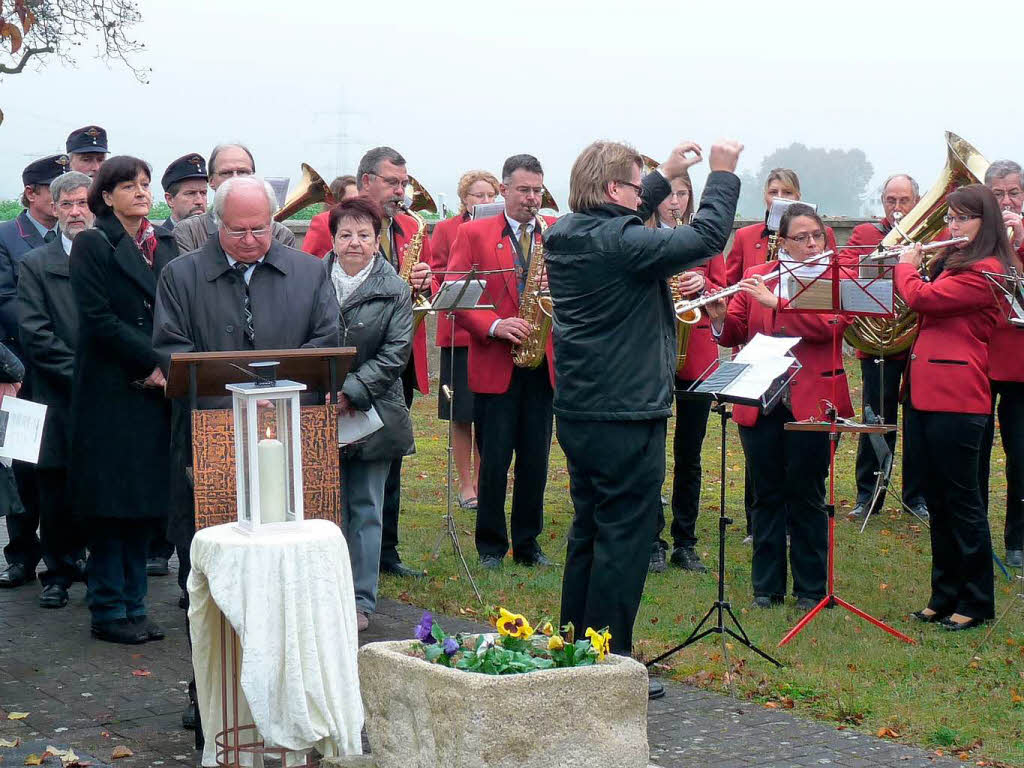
28 54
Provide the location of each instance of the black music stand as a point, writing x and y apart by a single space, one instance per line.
715 384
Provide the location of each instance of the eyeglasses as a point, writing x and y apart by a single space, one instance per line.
235 172
480 195
679 195
818 237
1011 193
949 218
636 187
238 234
362 237
894 201
393 181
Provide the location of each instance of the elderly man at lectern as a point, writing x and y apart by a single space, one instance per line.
240 291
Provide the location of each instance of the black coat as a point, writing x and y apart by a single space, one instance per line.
48 328
614 325
199 309
377 320
120 432
11 371
17 238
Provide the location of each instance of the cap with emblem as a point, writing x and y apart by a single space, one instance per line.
191 166
92 138
44 170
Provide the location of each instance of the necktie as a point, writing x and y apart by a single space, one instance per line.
525 241
385 244
50 236
250 330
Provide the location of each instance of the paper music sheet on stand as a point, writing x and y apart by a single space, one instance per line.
867 296
356 425
763 347
21 429
768 359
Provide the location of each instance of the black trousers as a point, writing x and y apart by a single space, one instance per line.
687 441
393 487
1010 410
788 471
517 421
867 461
616 469
159 545
962 580
61 533
117 567
23 546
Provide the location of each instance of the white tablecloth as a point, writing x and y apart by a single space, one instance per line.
289 597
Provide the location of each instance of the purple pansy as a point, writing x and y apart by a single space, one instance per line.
451 646
425 628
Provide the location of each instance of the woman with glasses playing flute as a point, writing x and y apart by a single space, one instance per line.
787 469
949 400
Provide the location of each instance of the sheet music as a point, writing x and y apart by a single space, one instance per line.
795 278
722 377
874 297
450 292
356 425
757 379
21 429
1018 311
763 347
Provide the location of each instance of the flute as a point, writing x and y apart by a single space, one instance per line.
898 250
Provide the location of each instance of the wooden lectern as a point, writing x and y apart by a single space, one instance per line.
199 378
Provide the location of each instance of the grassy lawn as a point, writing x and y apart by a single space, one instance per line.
938 693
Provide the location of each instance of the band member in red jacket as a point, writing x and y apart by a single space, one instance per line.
383 178
318 240
691 414
899 195
949 400
475 188
788 469
513 405
1006 370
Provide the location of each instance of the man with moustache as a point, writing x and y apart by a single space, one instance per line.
48 318
382 177
87 149
184 183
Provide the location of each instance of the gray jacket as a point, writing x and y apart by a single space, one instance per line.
192 233
377 320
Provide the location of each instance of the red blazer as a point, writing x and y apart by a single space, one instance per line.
1006 347
749 248
703 349
318 238
404 228
866 234
822 376
948 368
487 245
440 247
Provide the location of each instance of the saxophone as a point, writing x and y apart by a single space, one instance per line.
534 307
410 258
684 320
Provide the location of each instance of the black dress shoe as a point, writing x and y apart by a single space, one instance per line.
491 562
153 630
539 560
657 564
1015 558
763 601
655 689
119 631
81 572
920 511
157 566
16 575
189 716
928 618
806 603
955 626
53 596
401 569
688 559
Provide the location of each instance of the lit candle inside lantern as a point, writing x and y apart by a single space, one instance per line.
273 482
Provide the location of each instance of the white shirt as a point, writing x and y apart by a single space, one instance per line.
248 272
66 243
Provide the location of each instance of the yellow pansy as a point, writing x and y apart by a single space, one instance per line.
556 643
514 625
599 641
547 629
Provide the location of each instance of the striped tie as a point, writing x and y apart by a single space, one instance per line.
250 330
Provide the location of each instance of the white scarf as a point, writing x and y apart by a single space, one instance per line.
344 283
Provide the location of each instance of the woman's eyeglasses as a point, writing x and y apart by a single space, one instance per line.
949 218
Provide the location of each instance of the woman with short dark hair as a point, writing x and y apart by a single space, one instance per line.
949 400
120 433
376 319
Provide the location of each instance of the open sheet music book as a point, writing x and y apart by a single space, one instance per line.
757 375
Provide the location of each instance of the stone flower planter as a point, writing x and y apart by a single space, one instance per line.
421 715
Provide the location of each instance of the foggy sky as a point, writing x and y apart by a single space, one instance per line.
461 85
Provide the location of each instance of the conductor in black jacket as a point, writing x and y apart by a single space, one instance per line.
614 341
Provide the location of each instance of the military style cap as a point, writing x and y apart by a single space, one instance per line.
92 138
191 166
44 170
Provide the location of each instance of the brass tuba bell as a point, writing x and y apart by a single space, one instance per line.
311 189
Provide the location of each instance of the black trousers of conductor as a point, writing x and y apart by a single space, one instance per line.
867 461
1011 428
687 441
962 580
616 469
516 421
393 488
788 471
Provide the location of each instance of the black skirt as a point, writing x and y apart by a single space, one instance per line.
455 374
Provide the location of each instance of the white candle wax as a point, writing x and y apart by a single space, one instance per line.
273 483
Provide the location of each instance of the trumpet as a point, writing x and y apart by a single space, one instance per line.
899 250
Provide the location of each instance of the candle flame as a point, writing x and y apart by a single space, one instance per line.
269 433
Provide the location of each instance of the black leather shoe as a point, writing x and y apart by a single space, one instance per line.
657 564
53 596
921 511
15 575
491 562
929 618
1015 558
655 689
157 566
688 559
189 716
401 569
119 631
762 601
151 628
539 560
806 603
81 572
954 626
183 600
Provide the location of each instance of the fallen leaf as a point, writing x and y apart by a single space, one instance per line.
141 673
33 760
120 751
771 705
883 586
17 715
888 733
788 703
9 743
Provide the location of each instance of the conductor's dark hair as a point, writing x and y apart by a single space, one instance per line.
114 171
520 162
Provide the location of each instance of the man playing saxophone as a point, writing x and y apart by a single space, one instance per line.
512 403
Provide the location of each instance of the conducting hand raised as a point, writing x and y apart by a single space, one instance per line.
686 154
724 155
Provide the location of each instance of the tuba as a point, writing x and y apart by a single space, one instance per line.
421 201
535 307
311 189
884 336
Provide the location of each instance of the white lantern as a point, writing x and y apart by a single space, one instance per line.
268 453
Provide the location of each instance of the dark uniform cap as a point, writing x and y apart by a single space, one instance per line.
45 170
191 166
92 138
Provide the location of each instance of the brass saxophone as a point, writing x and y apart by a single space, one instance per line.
410 258
685 320
534 307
